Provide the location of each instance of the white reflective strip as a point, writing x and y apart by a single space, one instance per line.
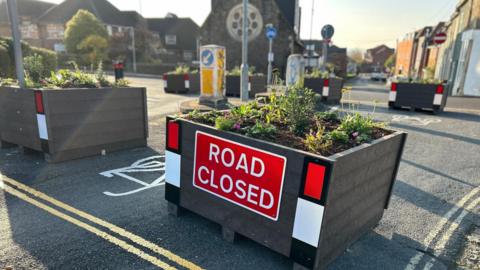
392 96
165 85
42 126
325 91
437 100
249 86
308 222
187 84
172 168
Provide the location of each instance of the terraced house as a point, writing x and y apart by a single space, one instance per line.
43 25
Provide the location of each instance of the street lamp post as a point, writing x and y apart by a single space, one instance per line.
17 46
244 79
134 52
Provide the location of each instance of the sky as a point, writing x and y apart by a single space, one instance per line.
358 24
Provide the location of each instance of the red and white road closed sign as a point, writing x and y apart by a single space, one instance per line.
440 38
246 176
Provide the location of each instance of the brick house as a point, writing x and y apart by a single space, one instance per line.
335 55
223 27
179 38
375 58
28 11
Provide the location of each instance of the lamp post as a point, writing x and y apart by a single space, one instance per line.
244 79
17 46
134 52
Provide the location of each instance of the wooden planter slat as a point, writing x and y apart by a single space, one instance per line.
358 190
79 122
175 83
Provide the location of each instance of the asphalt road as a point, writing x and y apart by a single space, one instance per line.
63 216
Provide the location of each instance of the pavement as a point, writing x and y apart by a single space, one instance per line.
102 213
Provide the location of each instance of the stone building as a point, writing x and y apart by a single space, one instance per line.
223 27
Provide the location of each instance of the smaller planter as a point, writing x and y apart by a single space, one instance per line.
418 96
68 124
176 83
330 89
232 86
194 83
257 84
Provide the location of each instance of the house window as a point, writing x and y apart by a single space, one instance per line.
109 30
29 30
188 55
55 31
59 47
171 39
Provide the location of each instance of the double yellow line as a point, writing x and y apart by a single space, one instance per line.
15 188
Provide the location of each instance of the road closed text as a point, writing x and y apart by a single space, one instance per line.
246 176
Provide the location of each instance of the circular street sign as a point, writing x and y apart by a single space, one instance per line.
328 31
440 38
270 31
207 58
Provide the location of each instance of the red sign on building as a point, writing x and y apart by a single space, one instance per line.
243 175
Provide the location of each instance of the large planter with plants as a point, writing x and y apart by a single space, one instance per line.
418 96
270 188
176 83
329 88
68 124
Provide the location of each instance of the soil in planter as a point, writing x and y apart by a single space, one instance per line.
284 136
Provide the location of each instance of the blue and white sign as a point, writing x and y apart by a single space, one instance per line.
207 58
270 32
295 69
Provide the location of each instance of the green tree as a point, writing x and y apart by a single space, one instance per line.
82 31
390 62
94 48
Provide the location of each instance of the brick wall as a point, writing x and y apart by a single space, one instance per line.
404 57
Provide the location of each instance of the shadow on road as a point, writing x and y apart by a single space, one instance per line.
437 133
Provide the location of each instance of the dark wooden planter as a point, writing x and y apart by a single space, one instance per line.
194 83
418 96
330 89
232 86
176 83
73 123
257 84
326 203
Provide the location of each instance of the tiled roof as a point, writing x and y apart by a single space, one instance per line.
28 8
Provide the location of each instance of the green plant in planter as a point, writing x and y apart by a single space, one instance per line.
338 136
65 78
317 141
34 67
223 123
180 70
261 130
100 76
316 74
359 127
7 82
299 107
121 83
236 71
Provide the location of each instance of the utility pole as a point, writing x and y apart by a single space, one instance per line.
244 79
17 46
134 52
424 56
271 33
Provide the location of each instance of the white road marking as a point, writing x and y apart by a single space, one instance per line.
438 228
444 240
416 121
150 164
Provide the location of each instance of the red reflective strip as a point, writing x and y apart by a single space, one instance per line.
326 82
394 87
39 102
314 181
164 77
186 77
173 133
440 89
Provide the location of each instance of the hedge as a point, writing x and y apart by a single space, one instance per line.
7 61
